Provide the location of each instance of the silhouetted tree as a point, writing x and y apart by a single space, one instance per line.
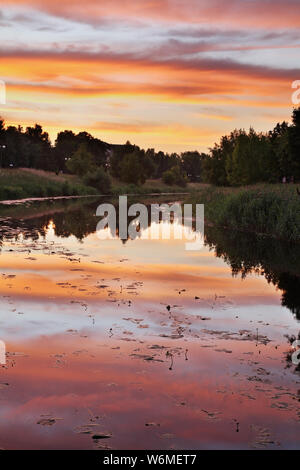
81 161
131 169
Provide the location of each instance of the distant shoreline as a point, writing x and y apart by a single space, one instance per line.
11 202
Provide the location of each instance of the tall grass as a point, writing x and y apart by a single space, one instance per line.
147 188
265 209
18 184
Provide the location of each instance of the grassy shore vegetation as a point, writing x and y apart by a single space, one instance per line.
272 210
24 183
31 183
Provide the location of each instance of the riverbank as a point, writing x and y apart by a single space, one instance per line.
25 183
272 210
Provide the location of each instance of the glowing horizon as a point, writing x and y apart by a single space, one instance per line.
173 75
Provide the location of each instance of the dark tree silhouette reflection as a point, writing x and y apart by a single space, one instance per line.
246 253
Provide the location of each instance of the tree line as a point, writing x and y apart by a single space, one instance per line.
243 158
238 159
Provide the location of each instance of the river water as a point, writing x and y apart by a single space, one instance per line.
144 345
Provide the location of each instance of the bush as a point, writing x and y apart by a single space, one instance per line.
169 178
52 191
67 190
98 179
81 190
12 192
174 176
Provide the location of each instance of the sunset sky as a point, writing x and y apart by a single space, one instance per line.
169 74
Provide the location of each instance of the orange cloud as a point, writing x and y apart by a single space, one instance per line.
160 86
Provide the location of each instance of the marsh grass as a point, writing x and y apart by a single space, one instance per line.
19 184
273 210
150 187
30 183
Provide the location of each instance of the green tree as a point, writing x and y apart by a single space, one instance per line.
81 162
2 127
118 153
192 164
249 161
39 152
294 145
280 152
147 160
214 171
131 169
65 146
